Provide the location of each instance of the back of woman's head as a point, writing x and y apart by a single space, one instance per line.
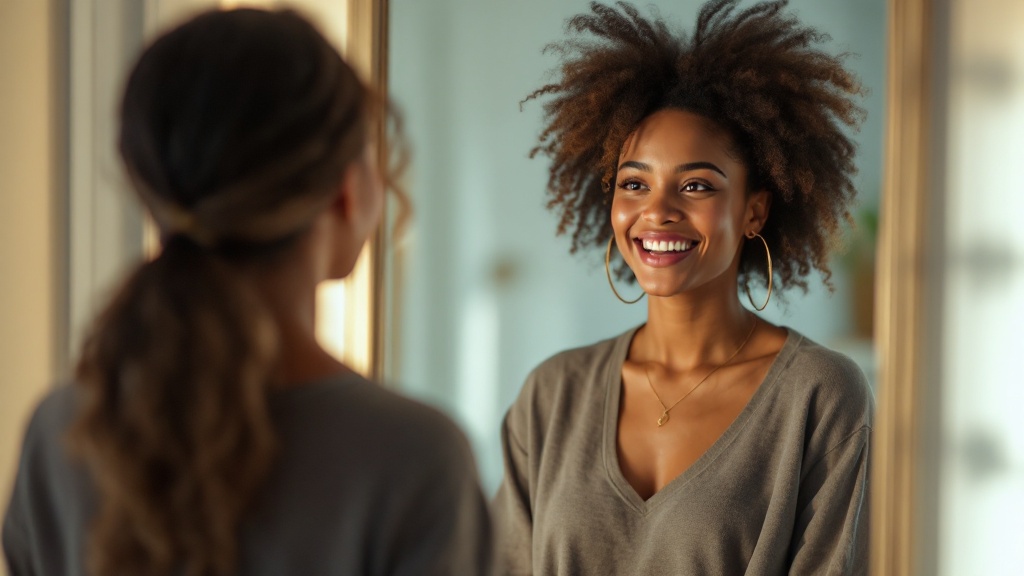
236 128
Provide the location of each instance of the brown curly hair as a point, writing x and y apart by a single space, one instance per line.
757 73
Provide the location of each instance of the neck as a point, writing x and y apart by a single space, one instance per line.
303 359
689 330
289 292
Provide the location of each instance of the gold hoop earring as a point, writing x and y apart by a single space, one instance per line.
751 235
608 272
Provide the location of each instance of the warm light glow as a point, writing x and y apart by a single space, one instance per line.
343 322
229 4
330 320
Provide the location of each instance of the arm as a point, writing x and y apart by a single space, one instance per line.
831 533
512 509
15 535
445 527
29 509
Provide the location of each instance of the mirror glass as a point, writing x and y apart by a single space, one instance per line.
483 290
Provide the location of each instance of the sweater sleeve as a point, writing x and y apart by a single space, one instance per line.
16 527
568 379
31 518
512 510
831 533
443 526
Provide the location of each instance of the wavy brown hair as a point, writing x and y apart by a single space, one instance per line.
758 73
235 129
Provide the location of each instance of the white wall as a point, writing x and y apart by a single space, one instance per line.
488 291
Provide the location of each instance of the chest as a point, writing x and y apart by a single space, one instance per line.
588 519
664 429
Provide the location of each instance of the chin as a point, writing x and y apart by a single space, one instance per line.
662 293
341 270
661 289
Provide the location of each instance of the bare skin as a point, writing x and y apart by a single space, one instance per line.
680 180
327 251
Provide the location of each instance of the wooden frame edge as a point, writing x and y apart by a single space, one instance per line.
901 288
366 48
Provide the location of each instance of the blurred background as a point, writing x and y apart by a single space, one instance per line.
480 290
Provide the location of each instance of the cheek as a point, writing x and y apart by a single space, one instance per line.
373 199
622 215
725 218
727 221
378 205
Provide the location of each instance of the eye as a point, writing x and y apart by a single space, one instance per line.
697 186
631 185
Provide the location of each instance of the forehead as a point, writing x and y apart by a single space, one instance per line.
679 135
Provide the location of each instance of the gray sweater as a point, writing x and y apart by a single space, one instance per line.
366 482
783 491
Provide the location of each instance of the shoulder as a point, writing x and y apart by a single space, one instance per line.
831 377
822 362
822 394
423 432
575 368
50 421
363 420
44 463
44 499
565 383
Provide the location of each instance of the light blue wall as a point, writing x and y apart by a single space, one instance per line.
488 290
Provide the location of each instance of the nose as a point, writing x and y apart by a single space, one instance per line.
662 208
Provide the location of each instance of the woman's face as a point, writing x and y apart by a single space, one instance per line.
681 208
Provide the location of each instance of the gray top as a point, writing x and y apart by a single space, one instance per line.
366 482
784 490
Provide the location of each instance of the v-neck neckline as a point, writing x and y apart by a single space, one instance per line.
613 398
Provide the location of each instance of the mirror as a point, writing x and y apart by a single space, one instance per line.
483 290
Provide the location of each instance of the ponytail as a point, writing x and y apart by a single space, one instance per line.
174 425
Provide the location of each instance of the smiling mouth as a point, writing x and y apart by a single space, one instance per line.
664 247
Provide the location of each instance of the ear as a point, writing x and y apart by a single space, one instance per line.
345 195
758 205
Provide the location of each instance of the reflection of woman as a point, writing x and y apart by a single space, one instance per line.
215 435
706 441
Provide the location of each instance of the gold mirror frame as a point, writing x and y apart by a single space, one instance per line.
900 288
900 280
366 48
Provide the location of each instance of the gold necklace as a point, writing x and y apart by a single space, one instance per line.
664 415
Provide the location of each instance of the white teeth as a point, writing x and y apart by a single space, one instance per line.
664 246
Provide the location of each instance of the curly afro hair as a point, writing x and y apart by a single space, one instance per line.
757 73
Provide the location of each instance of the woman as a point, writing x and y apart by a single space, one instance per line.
210 434
706 441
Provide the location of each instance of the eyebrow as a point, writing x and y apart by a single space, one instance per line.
688 167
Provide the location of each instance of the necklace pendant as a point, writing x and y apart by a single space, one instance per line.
663 419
